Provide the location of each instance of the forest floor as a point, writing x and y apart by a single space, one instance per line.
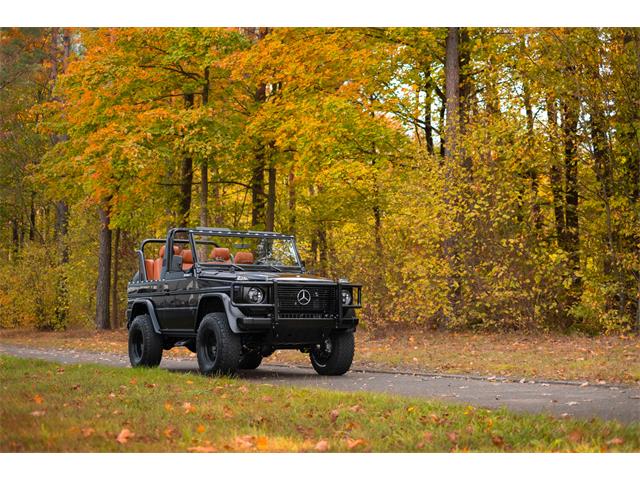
86 407
603 359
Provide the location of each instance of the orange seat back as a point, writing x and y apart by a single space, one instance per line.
187 259
244 257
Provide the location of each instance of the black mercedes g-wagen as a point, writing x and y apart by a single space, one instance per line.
234 297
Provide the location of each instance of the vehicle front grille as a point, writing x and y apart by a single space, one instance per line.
322 301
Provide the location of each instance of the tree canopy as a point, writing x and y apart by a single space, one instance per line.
468 177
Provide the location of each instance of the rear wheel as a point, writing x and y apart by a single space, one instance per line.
145 345
217 347
334 355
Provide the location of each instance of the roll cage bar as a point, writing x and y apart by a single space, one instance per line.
222 232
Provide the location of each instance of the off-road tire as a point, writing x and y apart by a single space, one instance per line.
338 362
145 345
250 360
224 357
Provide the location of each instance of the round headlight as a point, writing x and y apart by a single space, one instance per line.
255 295
346 297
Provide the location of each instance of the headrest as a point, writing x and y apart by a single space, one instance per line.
220 254
187 256
176 250
244 257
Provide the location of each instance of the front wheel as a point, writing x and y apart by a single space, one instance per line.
145 345
217 347
334 355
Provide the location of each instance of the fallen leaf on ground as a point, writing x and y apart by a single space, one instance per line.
227 412
262 443
168 407
200 428
615 441
334 414
38 413
202 449
169 431
356 408
354 443
497 440
245 441
427 438
188 408
575 436
321 446
243 389
453 437
87 432
124 435
351 425
267 399
306 432
38 399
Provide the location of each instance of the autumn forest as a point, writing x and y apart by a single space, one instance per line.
469 178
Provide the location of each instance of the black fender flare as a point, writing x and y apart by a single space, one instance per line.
232 312
151 310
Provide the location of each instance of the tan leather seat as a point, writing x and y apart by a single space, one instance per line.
244 257
149 268
187 259
220 255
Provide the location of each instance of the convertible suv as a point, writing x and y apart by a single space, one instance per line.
234 297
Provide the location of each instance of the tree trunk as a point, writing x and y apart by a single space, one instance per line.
218 218
104 271
257 192
115 299
15 240
631 140
555 174
258 199
204 167
271 200
321 233
572 233
452 92
428 129
532 172
204 194
186 175
32 217
451 156
292 201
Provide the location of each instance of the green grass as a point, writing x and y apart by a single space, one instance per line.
78 408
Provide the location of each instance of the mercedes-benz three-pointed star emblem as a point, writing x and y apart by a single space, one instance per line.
304 297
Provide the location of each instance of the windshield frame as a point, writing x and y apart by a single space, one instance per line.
244 234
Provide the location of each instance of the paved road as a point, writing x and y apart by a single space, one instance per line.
560 399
